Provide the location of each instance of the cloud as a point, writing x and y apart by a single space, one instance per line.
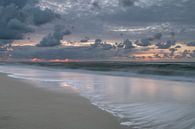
128 44
191 44
178 46
107 46
42 16
14 29
193 53
127 3
86 39
18 3
80 53
96 5
98 43
19 17
102 45
152 11
186 54
4 42
166 45
158 36
15 24
172 50
144 42
55 38
96 17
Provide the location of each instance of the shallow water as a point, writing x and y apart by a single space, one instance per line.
140 103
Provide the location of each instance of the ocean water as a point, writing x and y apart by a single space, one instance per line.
139 102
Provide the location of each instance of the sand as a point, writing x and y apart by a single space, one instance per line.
24 106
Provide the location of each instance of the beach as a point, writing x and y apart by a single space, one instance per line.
23 106
55 98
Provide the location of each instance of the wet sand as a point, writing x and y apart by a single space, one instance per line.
23 106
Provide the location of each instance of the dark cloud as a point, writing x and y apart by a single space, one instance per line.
95 18
191 44
172 50
120 45
178 46
4 42
86 39
15 24
100 44
99 16
42 16
143 42
18 17
172 34
193 53
9 23
128 44
152 11
96 5
55 38
186 54
18 3
166 45
97 43
106 46
158 36
127 3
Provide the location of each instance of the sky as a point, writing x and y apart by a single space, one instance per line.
98 29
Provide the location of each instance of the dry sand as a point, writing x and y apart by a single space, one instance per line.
23 106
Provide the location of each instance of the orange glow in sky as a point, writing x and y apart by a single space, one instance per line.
53 60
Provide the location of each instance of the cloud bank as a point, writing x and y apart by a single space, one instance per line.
55 38
19 17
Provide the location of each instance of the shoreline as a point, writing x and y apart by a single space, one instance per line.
113 73
25 106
